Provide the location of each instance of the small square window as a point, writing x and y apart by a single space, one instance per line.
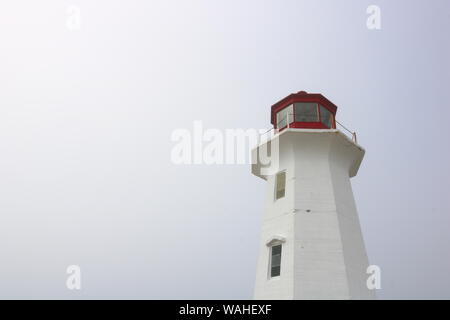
280 185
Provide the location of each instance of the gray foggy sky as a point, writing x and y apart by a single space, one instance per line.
86 118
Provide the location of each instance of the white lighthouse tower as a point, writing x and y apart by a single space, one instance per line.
311 241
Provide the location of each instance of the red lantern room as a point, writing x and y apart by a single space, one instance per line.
304 110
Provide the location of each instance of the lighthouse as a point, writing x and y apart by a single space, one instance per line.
311 244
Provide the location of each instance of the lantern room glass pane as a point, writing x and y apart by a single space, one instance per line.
306 112
326 117
283 116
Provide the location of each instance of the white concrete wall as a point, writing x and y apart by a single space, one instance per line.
342 154
278 221
323 256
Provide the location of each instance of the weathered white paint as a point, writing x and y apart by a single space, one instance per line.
323 254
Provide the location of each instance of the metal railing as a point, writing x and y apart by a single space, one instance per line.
353 133
287 118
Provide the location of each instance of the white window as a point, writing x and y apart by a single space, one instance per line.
275 261
280 185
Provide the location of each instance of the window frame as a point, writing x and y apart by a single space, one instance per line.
276 185
270 267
